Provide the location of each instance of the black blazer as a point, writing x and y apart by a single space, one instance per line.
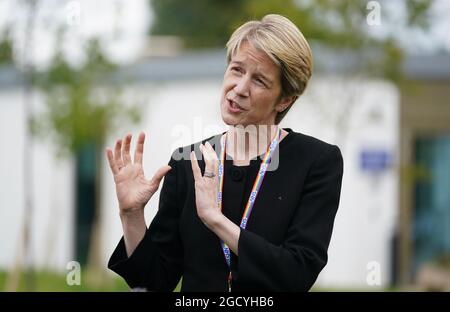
284 246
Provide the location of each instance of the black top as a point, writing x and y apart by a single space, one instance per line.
284 246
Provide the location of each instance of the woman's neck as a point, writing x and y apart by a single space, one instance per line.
245 143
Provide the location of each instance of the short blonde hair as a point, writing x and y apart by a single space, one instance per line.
284 43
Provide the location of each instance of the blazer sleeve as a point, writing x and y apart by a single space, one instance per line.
156 263
295 264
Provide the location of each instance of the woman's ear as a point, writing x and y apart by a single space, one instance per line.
285 102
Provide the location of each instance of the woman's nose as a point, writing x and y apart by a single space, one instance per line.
242 87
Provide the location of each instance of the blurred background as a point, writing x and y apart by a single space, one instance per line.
75 75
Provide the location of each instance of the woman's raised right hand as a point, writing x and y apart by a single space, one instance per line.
132 188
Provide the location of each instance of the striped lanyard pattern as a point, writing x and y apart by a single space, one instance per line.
254 193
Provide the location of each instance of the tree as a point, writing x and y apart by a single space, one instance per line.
339 25
6 52
199 23
83 104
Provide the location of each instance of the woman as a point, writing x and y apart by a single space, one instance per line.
235 215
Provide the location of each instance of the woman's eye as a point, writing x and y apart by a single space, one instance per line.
236 69
260 82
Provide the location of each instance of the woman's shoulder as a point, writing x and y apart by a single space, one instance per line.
306 146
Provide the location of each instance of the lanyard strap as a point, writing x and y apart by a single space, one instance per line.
254 193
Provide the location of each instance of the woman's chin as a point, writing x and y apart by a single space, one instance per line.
229 123
229 120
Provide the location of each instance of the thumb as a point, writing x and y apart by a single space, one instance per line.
157 177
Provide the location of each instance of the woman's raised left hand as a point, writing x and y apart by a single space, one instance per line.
206 188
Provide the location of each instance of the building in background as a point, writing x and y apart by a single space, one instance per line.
424 203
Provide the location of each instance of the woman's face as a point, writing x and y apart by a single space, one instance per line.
251 89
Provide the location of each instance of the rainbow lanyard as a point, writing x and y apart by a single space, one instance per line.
254 193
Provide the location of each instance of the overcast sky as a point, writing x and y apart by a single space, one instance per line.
123 26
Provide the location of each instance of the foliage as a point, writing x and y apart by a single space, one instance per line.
83 103
200 23
6 50
328 23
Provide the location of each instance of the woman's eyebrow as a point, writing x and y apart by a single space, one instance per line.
267 79
237 63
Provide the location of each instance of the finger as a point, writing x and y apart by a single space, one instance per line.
157 177
126 150
118 154
112 163
209 162
211 149
214 159
195 168
139 152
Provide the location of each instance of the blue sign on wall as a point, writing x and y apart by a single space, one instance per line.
375 160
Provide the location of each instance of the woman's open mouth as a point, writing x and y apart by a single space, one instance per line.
233 107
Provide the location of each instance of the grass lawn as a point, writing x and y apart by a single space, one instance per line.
52 281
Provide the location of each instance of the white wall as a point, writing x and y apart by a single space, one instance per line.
52 192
